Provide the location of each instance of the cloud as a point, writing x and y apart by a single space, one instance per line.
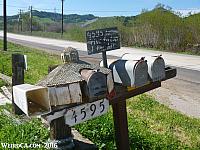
187 12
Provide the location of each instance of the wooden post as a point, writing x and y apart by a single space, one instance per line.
59 130
4 26
18 65
105 64
121 125
31 19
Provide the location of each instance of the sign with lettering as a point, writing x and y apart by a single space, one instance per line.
86 112
102 40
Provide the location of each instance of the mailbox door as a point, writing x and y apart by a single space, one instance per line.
140 73
156 68
130 73
97 86
74 56
121 72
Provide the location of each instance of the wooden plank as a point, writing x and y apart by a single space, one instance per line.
7 92
4 100
6 78
75 93
59 96
123 93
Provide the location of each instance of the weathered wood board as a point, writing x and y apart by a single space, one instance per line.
4 100
6 92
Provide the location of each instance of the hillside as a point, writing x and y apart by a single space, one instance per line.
159 28
55 17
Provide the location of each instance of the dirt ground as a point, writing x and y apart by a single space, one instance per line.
181 95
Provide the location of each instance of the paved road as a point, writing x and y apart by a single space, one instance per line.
172 59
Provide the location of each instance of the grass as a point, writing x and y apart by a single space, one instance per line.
29 132
151 125
38 62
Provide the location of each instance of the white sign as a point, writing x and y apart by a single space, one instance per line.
85 112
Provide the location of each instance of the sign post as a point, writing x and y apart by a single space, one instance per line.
103 40
104 57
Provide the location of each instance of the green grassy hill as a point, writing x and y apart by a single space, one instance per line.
160 28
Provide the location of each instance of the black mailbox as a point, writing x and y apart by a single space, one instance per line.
96 84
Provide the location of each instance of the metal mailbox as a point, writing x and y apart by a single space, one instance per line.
96 84
32 100
70 55
129 73
156 66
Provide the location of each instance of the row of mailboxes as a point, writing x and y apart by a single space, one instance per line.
156 65
136 71
81 82
129 73
84 85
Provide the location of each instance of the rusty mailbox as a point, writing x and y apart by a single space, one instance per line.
96 87
156 66
70 54
129 73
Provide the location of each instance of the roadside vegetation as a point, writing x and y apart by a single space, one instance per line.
151 125
160 28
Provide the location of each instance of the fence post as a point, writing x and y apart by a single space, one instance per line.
18 65
121 125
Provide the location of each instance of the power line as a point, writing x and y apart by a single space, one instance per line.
14 6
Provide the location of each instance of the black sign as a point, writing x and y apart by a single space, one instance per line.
102 40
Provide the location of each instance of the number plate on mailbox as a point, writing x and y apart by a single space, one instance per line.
85 112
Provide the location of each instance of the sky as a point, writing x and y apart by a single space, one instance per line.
100 7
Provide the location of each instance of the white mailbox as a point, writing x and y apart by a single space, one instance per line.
156 65
129 73
32 100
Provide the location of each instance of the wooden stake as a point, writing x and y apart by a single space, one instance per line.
18 65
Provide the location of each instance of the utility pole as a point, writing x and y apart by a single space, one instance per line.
55 14
62 17
20 13
5 26
18 22
31 19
